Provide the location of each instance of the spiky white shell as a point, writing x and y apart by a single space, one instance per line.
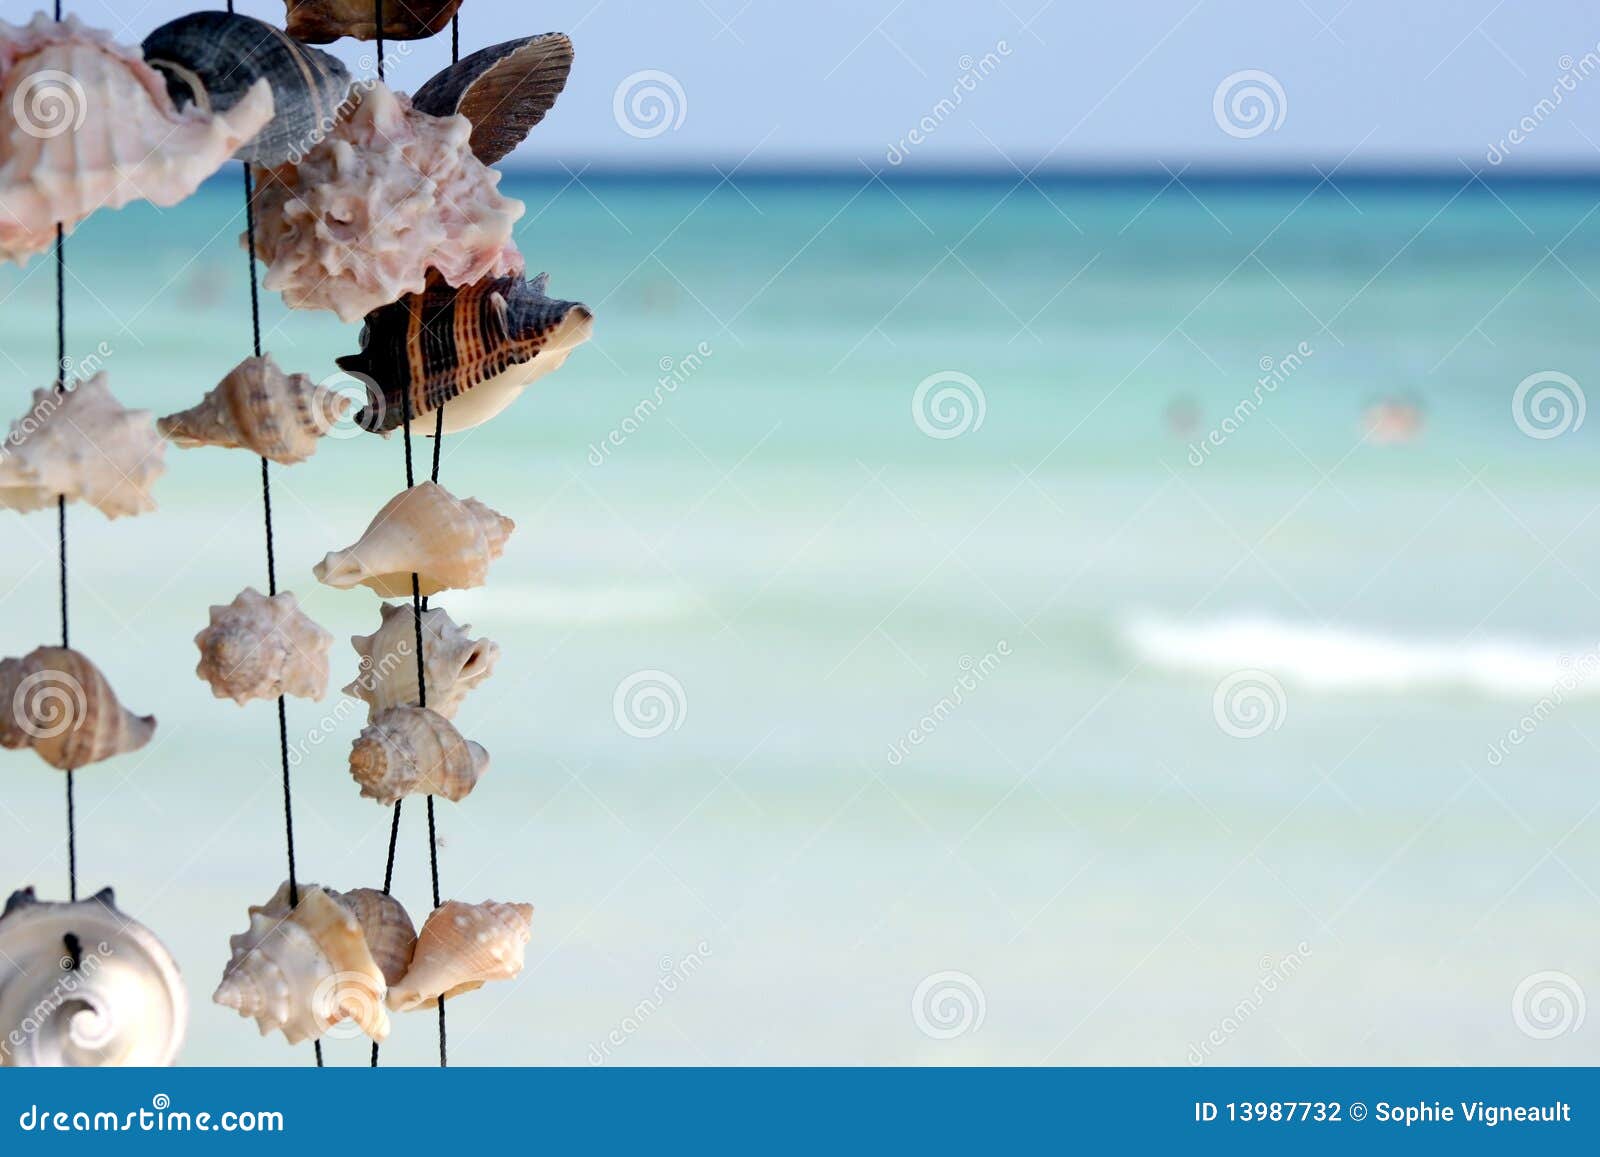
461 947
415 751
85 445
57 702
91 126
448 542
258 407
391 194
303 970
258 647
454 662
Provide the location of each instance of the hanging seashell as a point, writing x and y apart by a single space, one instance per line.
462 947
320 21
415 751
303 970
391 937
213 59
259 407
476 348
447 542
260 648
455 663
58 703
389 194
504 90
83 445
84 985
90 126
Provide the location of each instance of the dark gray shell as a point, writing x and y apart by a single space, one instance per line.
321 21
430 347
504 90
212 58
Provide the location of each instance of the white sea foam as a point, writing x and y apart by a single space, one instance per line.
1335 658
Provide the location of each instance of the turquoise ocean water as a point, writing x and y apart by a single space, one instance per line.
1076 862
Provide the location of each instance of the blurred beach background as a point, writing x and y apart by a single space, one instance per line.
1211 699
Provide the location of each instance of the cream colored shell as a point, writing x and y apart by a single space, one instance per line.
303 970
461 947
258 647
389 195
57 702
89 125
455 662
85 445
258 407
415 751
448 542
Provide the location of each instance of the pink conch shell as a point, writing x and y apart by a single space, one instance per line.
89 125
389 194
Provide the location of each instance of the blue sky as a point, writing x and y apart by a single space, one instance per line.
831 82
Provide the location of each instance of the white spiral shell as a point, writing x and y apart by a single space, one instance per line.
455 662
447 542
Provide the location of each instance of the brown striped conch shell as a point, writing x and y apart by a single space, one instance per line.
388 195
258 407
89 125
447 542
415 751
455 663
58 703
476 348
504 90
391 938
320 21
305 969
462 947
84 445
82 984
260 648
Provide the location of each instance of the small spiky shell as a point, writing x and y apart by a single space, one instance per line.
258 407
322 21
84 445
447 542
504 90
259 648
462 947
305 969
57 702
415 751
89 125
391 937
117 998
455 663
476 348
211 59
